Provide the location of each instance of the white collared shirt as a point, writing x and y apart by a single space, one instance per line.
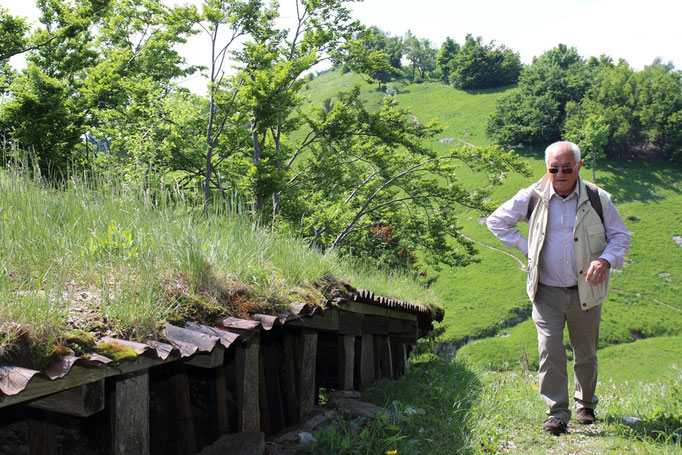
557 265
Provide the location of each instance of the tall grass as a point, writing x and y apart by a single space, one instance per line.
107 255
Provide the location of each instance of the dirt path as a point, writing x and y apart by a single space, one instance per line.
522 266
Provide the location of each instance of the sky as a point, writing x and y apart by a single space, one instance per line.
637 31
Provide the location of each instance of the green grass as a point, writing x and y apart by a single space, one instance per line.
112 257
444 407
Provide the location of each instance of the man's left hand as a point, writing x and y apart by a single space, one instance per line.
598 271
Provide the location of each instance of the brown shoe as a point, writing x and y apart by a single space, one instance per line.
585 416
554 425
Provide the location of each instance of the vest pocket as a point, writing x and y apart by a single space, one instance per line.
596 238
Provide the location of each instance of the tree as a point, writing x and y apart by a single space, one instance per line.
113 62
479 65
420 54
370 186
659 107
446 54
591 136
389 48
536 112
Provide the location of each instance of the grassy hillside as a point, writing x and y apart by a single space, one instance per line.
487 300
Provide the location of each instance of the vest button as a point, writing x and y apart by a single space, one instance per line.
584 304
575 239
581 272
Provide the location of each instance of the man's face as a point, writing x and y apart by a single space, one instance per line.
562 158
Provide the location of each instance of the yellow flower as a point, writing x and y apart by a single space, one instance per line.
392 452
535 387
439 389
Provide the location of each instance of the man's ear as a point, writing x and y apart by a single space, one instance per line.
580 164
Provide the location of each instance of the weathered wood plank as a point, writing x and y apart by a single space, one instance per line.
183 419
327 320
42 434
248 385
40 386
386 358
274 390
350 323
131 414
265 426
218 406
291 369
366 360
307 388
376 325
81 401
364 308
346 362
377 356
208 359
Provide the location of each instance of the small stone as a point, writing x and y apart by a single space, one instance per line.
246 443
630 421
305 437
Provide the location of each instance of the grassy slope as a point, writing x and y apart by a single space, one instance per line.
483 299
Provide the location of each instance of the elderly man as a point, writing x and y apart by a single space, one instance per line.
575 237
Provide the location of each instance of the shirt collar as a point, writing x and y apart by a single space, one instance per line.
574 193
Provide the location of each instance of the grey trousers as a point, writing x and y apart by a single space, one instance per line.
553 308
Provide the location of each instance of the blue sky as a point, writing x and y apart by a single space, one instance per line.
637 31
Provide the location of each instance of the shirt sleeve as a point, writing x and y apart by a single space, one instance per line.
617 237
502 222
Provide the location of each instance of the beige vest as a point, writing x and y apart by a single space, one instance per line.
589 241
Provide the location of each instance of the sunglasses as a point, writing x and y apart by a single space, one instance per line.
565 170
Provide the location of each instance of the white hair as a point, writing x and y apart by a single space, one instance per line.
574 148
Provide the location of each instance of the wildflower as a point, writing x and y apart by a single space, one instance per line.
534 387
439 389
392 452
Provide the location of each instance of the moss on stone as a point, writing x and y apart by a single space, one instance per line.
115 351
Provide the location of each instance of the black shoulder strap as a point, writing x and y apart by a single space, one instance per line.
595 200
592 194
532 202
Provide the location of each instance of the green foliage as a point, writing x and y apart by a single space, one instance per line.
609 110
478 65
446 55
420 54
379 436
535 114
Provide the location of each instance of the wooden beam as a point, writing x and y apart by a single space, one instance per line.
130 411
364 308
263 401
386 358
218 401
81 401
377 356
39 386
208 359
291 370
42 434
366 360
346 362
327 320
307 370
376 325
183 419
350 323
273 385
248 418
